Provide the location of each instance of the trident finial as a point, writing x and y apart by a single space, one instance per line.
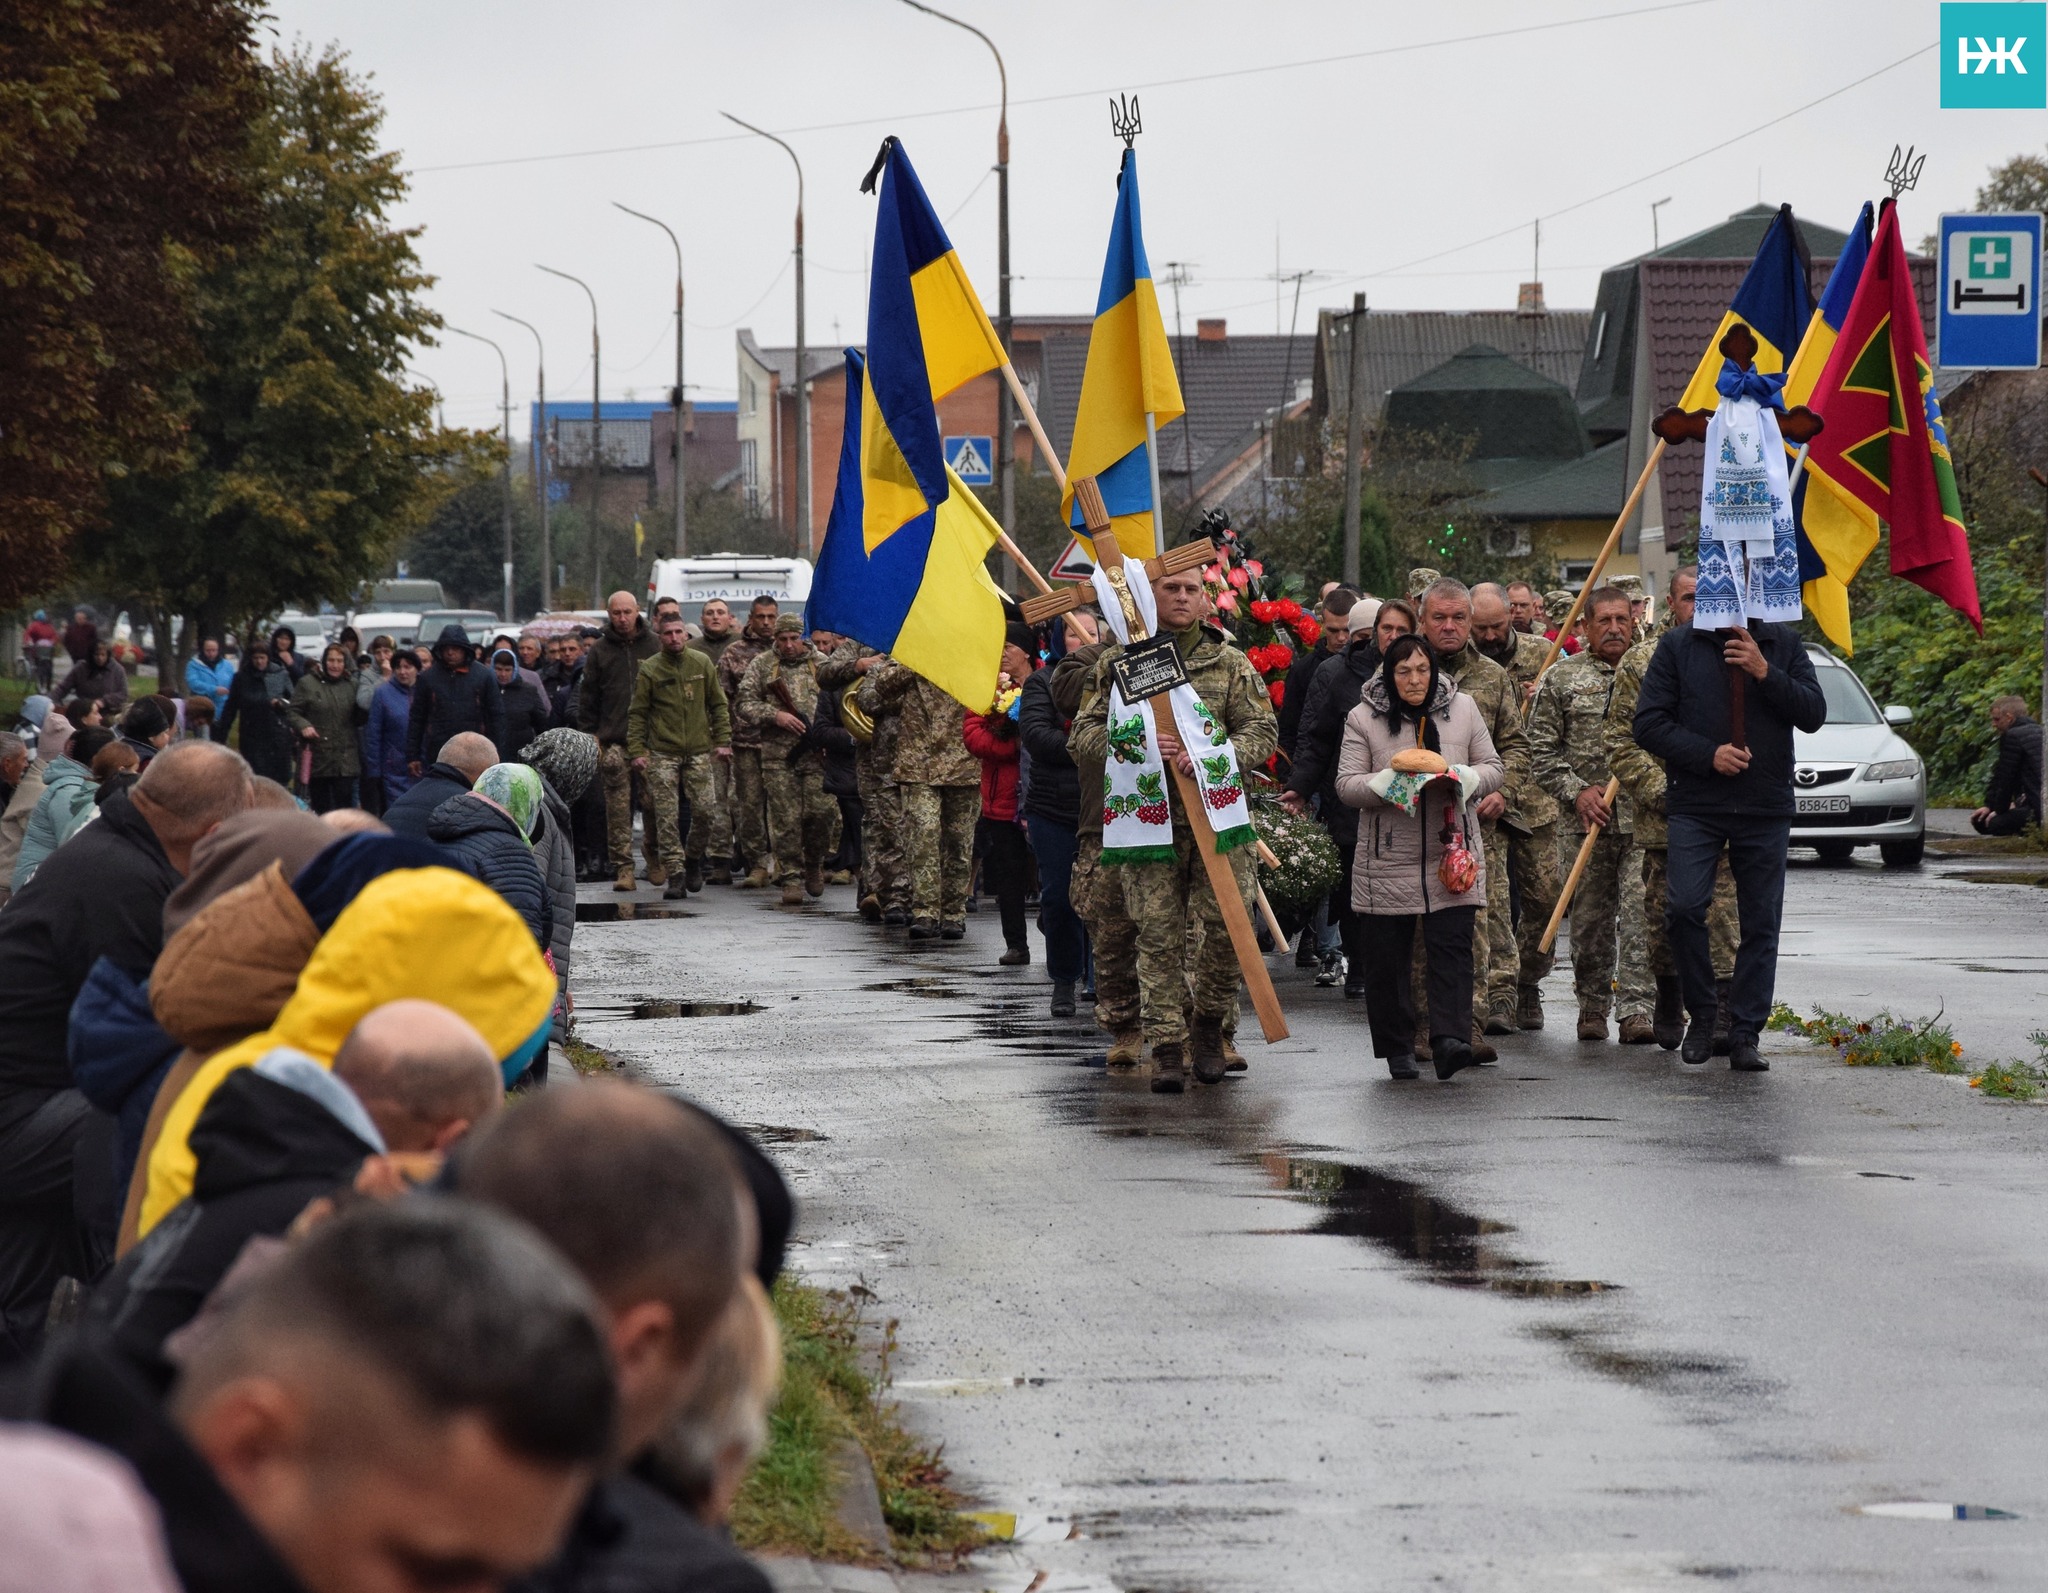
1902 173
1123 118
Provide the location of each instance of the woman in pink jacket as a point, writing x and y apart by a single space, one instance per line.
1407 824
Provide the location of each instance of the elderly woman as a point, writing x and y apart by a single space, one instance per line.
1415 756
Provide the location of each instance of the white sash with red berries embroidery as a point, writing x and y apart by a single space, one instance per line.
1137 823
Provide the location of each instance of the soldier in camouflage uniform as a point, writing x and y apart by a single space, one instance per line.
1642 784
1568 750
1517 966
799 814
884 891
677 726
1097 892
746 801
1446 611
1638 602
1161 898
939 786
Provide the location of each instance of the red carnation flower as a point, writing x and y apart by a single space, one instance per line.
1308 630
1277 691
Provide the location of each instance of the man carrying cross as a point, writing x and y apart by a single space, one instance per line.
1165 883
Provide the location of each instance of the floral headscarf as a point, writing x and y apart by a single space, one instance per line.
567 760
515 788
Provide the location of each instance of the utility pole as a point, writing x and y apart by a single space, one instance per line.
596 448
803 385
540 461
1006 418
1180 274
1354 443
675 398
2041 481
505 410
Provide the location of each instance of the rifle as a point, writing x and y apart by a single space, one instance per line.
815 738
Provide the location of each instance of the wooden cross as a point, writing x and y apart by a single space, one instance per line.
1050 604
1222 881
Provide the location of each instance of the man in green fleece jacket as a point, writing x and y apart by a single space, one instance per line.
677 724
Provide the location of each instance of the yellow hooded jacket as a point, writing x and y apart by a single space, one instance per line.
426 933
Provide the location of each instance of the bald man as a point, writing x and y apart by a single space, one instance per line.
602 705
455 771
410 1080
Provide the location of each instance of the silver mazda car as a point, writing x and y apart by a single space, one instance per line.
1856 782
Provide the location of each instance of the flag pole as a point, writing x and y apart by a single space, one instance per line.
1158 498
1045 448
1606 552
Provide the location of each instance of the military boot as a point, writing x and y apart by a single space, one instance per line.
1669 1019
693 875
1205 1050
1592 1025
1126 1049
1233 1059
871 908
721 874
1482 1048
757 879
924 929
625 880
895 917
1502 1018
1721 1016
656 874
792 894
1637 1030
1528 1007
814 880
1169 1077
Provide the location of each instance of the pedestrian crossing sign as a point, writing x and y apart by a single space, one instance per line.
971 459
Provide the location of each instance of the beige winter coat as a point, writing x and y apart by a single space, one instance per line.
1393 870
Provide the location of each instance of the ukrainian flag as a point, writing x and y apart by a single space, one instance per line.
902 566
1129 375
1775 302
1840 529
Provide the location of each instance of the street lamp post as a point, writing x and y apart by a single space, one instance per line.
678 403
596 446
540 458
505 409
1006 424
803 386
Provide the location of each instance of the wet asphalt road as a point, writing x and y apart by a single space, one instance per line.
1586 1319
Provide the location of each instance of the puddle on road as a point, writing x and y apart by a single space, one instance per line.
650 1007
923 988
615 912
776 1134
1997 876
1453 1246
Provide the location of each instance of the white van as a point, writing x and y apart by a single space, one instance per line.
738 578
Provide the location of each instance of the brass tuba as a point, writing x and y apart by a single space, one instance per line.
854 717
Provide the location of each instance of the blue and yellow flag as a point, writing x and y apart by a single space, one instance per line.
1840 529
1775 302
1129 375
902 566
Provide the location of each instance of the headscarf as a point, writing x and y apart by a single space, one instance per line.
566 759
53 739
1399 710
327 884
238 850
516 788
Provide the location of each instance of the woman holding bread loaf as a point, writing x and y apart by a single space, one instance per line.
1416 756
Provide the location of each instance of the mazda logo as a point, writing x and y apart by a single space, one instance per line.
1805 776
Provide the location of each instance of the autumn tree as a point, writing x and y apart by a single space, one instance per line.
310 454
123 130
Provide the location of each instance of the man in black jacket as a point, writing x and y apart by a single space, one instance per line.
100 894
1722 795
2012 798
451 696
1052 819
415 1395
462 760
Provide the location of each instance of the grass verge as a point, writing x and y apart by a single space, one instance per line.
587 1059
1888 1041
789 1502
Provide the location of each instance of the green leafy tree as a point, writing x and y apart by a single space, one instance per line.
122 125
310 454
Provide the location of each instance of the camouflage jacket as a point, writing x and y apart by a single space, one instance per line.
1536 807
1490 689
1567 734
758 704
1222 677
838 670
1641 774
733 664
931 744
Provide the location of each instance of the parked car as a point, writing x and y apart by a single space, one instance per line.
736 578
402 628
1856 781
480 624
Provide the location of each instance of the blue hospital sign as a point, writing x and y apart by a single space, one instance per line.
972 459
1990 282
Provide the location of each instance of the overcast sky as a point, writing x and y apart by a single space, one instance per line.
1380 172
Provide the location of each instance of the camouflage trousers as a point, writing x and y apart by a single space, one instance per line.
1532 861
1595 907
1496 951
1635 987
1166 900
1724 928
666 776
881 839
749 807
615 770
938 848
712 816
1098 896
800 817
